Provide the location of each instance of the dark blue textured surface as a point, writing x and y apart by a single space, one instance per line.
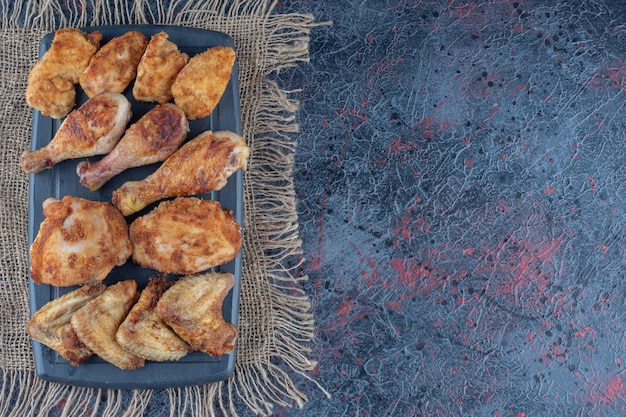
461 191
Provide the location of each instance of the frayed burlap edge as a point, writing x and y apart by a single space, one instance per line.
275 321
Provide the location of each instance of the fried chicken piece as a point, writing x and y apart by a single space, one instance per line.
79 242
152 139
201 83
144 334
97 322
193 308
185 236
202 165
52 81
114 66
157 70
92 129
51 325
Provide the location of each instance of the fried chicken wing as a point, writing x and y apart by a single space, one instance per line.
144 333
202 165
152 139
202 82
52 81
157 70
92 129
79 242
193 308
185 236
51 325
97 322
114 66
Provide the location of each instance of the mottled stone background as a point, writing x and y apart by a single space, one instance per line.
461 190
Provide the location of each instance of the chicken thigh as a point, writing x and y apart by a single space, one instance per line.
152 139
92 129
79 242
185 236
202 165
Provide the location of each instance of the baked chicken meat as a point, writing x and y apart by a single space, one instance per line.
200 166
114 66
79 242
144 333
52 81
51 324
201 83
92 129
151 139
97 322
193 308
157 70
185 236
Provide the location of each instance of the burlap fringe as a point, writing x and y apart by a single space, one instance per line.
271 230
32 396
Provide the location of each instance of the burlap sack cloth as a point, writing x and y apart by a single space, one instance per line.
275 321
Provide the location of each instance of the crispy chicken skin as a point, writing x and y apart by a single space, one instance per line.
51 325
97 322
185 236
144 333
92 129
201 165
114 66
201 83
52 81
79 242
157 70
193 308
151 139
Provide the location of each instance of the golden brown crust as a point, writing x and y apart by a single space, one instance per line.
201 165
52 80
79 242
92 129
73 349
153 138
162 129
157 70
97 322
193 308
51 325
144 333
114 66
202 82
185 236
